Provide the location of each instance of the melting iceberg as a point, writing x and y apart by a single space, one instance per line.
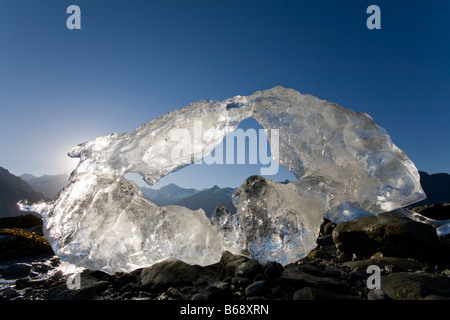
346 166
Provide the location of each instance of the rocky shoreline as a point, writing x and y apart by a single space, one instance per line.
414 264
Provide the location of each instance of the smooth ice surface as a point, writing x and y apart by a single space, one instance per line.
346 165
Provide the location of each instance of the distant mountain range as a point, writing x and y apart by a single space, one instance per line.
168 195
13 189
207 199
48 185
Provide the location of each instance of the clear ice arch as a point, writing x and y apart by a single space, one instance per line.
345 163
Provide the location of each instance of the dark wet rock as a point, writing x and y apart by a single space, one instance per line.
168 273
390 235
128 288
218 290
256 288
124 279
377 294
54 261
333 271
294 277
171 294
309 293
320 253
240 282
248 269
310 269
259 277
229 262
16 270
327 228
272 270
94 274
30 283
202 282
188 290
92 291
8 294
92 284
111 294
198 296
415 286
41 267
59 291
23 283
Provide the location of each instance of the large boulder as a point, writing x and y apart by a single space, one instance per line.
294 277
416 286
168 273
17 243
390 235
229 263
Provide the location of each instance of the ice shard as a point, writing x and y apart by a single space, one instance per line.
345 163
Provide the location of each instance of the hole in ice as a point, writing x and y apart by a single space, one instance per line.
234 105
212 181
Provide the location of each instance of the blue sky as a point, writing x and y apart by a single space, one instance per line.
135 60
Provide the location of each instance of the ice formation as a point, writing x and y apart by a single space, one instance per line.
346 166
